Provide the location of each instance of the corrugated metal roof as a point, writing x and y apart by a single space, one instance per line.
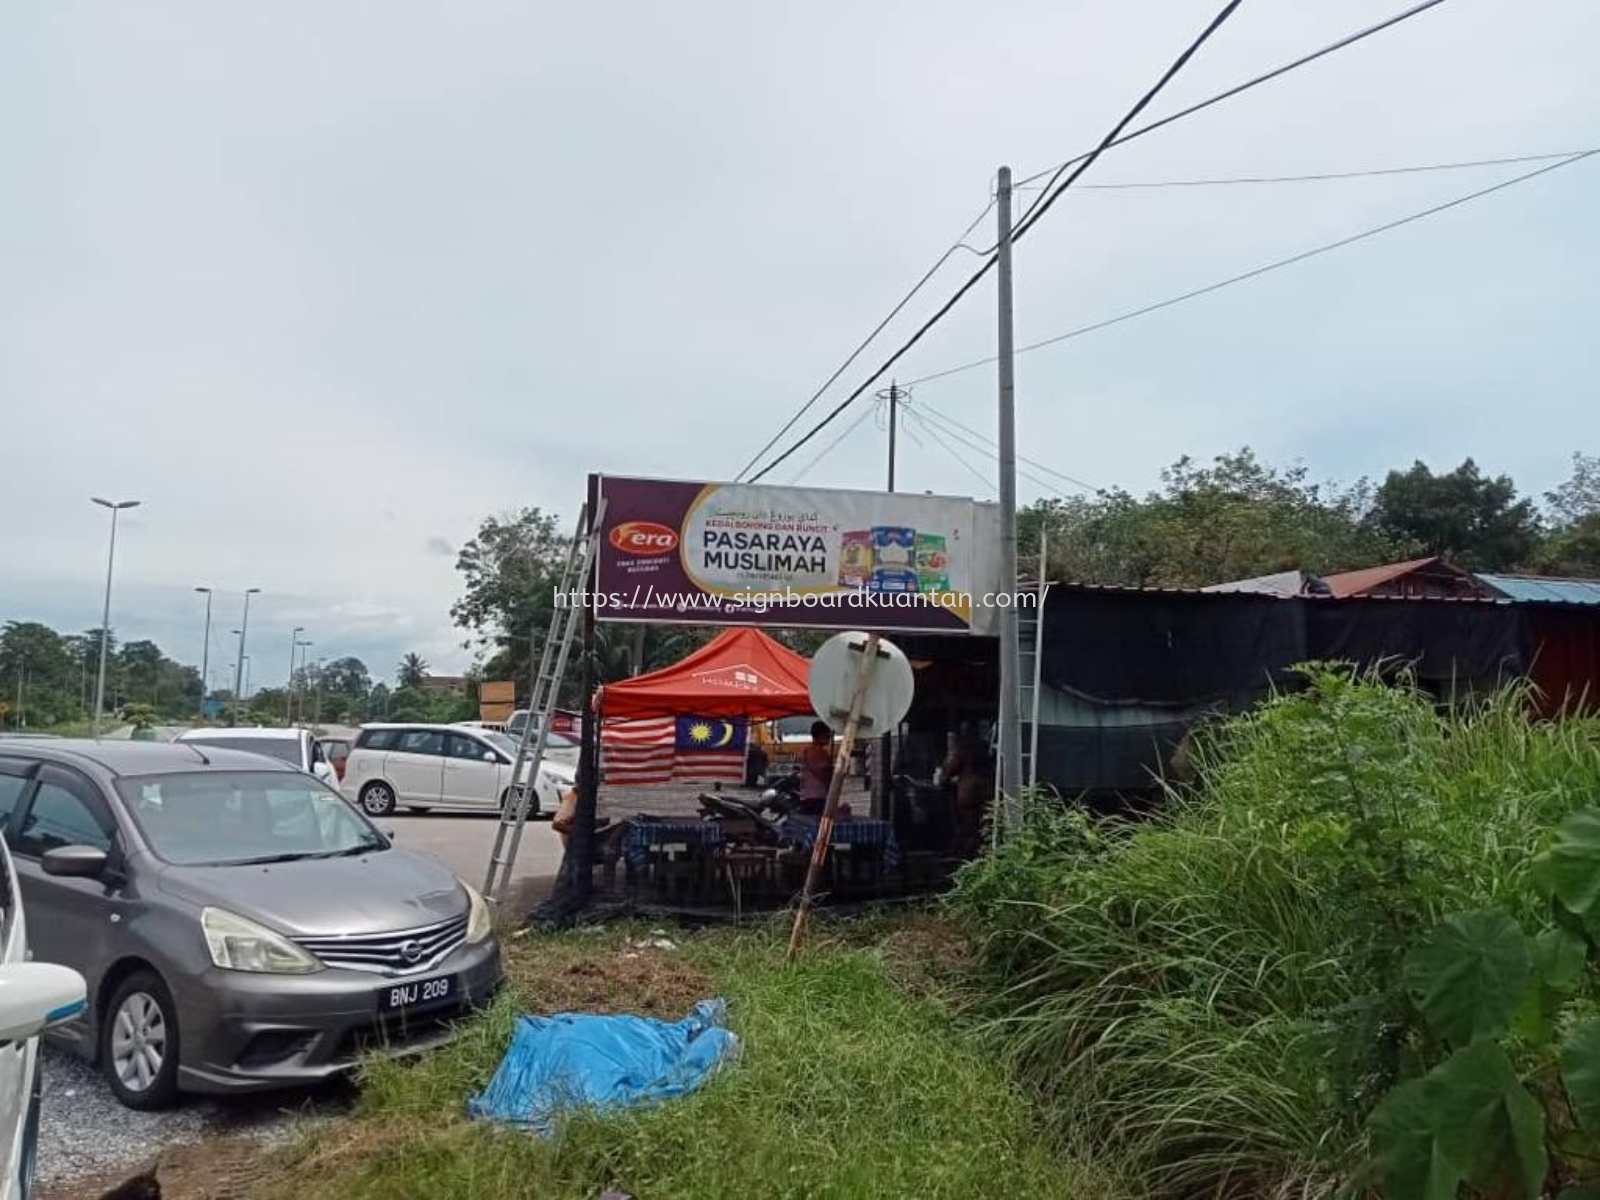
1282 583
1221 597
1535 588
1353 583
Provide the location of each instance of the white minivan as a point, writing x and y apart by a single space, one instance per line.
421 766
34 997
297 747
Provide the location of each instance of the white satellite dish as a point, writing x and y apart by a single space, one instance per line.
832 684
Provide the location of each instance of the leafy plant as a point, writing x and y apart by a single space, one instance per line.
1486 991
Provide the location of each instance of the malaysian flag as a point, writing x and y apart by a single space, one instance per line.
709 748
636 752
661 749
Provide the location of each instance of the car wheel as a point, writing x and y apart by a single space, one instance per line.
508 805
139 1043
377 799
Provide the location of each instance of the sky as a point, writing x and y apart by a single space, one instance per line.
323 286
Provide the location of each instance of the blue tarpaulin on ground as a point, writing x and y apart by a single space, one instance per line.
584 1060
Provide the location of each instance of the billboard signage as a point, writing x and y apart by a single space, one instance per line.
683 551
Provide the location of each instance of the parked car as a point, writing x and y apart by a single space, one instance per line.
336 751
559 747
567 724
34 997
297 747
488 726
420 766
240 926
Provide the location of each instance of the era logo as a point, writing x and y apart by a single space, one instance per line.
644 537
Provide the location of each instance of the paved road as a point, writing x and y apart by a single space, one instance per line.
462 841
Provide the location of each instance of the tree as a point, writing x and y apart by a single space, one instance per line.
1234 519
269 706
1573 544
413 669
346 686
1478 521
38 675
511 569
1579 497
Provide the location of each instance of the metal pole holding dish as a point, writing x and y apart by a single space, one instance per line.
859 684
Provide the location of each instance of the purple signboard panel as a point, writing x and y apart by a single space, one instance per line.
680 551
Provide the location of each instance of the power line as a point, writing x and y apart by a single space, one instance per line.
1277 265
990 443
940 313
1305 60
832 446
1039 207
933 433
1166 77
1330 175
1043 485
958 244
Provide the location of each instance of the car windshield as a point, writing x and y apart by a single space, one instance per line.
222 818
283 749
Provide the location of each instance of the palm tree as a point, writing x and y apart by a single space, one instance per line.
412 671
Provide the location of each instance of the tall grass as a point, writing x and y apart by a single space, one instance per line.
1212 997
847 1087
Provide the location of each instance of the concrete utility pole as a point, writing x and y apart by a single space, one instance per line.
1010 643
883 750
893 396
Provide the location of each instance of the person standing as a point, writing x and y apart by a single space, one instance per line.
967 768
816 770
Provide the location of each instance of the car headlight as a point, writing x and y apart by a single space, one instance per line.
480 920
239 944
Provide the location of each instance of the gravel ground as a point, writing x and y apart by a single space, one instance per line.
85 1131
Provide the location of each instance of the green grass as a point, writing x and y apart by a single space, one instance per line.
1212 998
850 1085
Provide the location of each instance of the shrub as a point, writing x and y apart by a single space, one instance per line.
1216 995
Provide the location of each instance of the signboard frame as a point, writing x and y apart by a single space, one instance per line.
696 553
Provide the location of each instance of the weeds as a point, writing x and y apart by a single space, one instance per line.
1214 996
847 1087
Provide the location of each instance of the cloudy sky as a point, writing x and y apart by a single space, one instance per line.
323 285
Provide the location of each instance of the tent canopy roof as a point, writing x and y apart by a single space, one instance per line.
740 673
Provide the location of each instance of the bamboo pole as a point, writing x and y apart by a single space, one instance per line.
841 771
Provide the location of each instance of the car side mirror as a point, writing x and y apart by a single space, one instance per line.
75 862
37 996
490 756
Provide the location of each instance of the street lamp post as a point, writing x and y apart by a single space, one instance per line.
247 676
243 631
115 506
205 654
304 646
288 695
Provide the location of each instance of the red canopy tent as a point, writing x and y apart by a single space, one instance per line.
740 673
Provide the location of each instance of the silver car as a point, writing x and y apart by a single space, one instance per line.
240 926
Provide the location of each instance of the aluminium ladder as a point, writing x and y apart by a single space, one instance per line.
1030 638
542 704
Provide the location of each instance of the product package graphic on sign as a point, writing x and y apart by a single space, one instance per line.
676 550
